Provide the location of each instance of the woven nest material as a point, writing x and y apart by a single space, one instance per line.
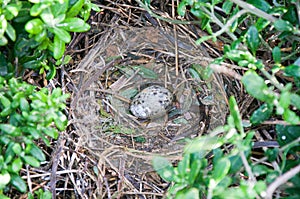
142 57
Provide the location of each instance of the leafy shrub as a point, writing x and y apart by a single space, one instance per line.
26 115
280 100
192 176
35 31
33 35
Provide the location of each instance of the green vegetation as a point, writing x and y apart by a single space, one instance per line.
248 28
34 32
33 35
26 115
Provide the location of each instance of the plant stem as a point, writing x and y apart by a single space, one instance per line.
252 9
224 28
281 180
273 79
228 24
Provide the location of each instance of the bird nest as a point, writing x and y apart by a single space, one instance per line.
121 64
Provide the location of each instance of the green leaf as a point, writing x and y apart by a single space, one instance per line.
48 17
30 195
276 54
34 117
74 25
261 24
181 9
3 25
61 34
7 128
260 186
295 100
37 153
227 6
43 194
283 25
184 165
218 154
205 25
145 72
287 133
34 1
291 117
9 153
236 164
197 12
41 36
221 169
51 132
194 171
31 160
61 121
16 99
194 74
164 168
252 39
256 87
56 93
261 114
203 39
203 144
3 41
234 112
291 14
4 101
33 64
18 183
75 9
58 19
272 176
259 170
4 179
201 72
6 111
67 59
17 149
59 8
24 105
238 55
285 99
293 70
95 7
10 31
272 154
190 193
16 165
15 119
260 4
13 9
4 66
51 72
37 8
233 26
59 47
34 26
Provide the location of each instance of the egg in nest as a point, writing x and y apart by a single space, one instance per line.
151 102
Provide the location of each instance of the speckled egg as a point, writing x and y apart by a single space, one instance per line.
152 102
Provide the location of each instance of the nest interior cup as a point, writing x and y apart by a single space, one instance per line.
105 105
